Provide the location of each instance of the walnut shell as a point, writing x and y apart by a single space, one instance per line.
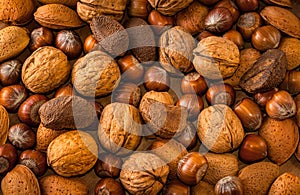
175 50
169 7
219 129
57 185
69 3
120 128
87 9
286 183
45 70
282 137
163 97
16 12
96 74
67 112
20 180
144 173
72 153
291 48
216 57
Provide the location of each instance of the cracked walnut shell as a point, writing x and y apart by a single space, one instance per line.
45 69
169 7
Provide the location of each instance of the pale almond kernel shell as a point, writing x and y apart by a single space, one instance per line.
4 125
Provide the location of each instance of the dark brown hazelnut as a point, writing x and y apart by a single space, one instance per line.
131 68
109 186
208 2
69 42
28 110
89 43
262 98
291 82
193 103
247 5
139 8
231 6
236 37
11 97
218 20
156 79
8 157
34 160
220 94
247 23
188 137
159 21
108 165
175 187
40 37
66 90
10 72
128 93
21 136
265 37
191 168
193 83
203 35
229 185
253 148
249 113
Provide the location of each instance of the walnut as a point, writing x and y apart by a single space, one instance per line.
216 57
176 50
219 129
144 173
163 97
169 7
46 69
72 153
120 128
95 74
67 112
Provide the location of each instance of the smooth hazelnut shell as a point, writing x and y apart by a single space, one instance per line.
12 96
291 82
8 157
191 168
21 136
139 8
203 35
236 37
193 83
229 185
220 94
247 23
208 2
128 93
109 186
156 79
247 5
265 37
69 42
262 98
66 90
10 72
131 69
40 37
253 148
28 110
193 103
108 165
218 20
231 6
34 160
89 43
159 21
175 187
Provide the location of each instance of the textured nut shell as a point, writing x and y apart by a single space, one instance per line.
175 50
169 7
50 16
44 137
203 188
57 185
247 58
165 120
95 74
87 9
70 3
120 128
16 12
258 177
45 69
163 97
287 183
219 166
171 151
4 125
72 153
144 173
20 180
291 48
13 40
282 138
287 3
219 129
216 57
282 19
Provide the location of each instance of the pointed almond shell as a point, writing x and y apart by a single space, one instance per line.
4 125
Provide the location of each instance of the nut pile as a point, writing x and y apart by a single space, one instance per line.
149 97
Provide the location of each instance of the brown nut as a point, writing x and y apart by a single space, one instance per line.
34 160
12 96
21 136
128 93
8 158
157 79
193 103
159 21
69 42
264 97
220 94
236 37
109 186
291 47
193 83
108 165
297 101
4 120
229 185
265 37
176 187
231 6
247 5
10 72
188 137
139 8
66 90
218 20
169 8
40 37
89 43
291 82
131 69
286 183
247 24
203 35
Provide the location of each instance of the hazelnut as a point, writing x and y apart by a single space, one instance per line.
69 42
28 110
220 94
66 90
231 6
218 20
139 8
11 97
34 160
253 148
247 23
40 37
236 37
156 79
131 69
247 5
89 43
281 105
262 98
203 35
128 93
108 165
208 2
8 158
291 82
159 21
193 103
266 37
10 72
191 168
176 187
229 185
193 83
21 136
109 186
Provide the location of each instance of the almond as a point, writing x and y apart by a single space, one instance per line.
286 3
287 183
57 16
20 180
4 125
282 19
291 48
13 40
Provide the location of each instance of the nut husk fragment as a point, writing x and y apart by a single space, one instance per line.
67 112
72 153
169 7
144 173
266 73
